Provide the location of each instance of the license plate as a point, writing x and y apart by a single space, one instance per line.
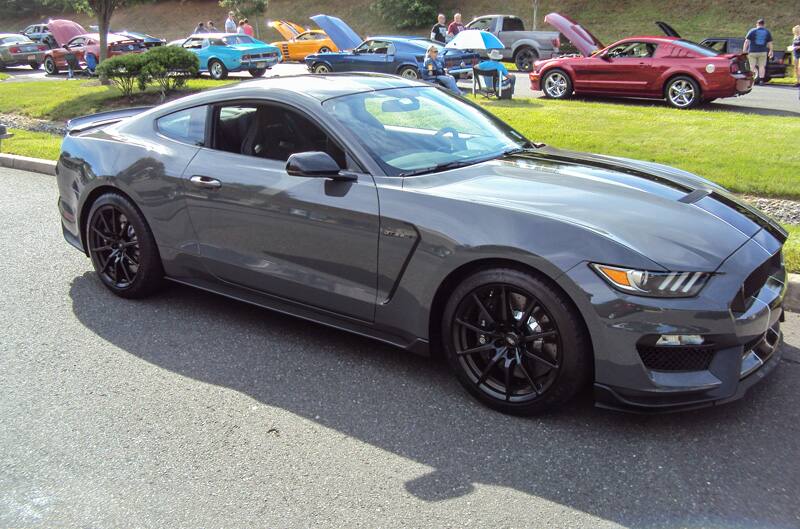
261 65
31 57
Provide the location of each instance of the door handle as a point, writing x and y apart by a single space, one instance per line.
206 182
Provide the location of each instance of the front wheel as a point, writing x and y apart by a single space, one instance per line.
217 70
122 247
50 66
556 84
409 72
257 72
515 342
682 92
320 68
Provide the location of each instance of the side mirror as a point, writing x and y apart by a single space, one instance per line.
316 164
606 57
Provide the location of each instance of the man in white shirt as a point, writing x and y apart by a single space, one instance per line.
230 23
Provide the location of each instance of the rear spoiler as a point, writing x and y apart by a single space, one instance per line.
100 119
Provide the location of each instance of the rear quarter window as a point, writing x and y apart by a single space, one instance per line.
187 126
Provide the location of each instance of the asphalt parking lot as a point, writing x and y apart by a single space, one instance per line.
189 410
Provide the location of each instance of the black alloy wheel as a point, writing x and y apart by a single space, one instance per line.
514 342
50 66
524 59
122 248
257 72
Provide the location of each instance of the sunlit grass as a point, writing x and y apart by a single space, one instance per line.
33 144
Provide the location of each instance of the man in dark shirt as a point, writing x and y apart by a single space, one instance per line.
455 27
758 47
439 30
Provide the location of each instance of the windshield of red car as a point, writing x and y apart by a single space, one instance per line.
409 130
697 48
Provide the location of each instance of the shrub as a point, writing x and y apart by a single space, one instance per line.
407 13
124 71
169 67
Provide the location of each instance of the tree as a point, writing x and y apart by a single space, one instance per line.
246 9
102 9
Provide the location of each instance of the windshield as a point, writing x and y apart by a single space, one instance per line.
697 48
414 130
233 40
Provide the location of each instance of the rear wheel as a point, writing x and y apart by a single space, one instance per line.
408 72
324 49
35 65
122 248
217 70
321 68
50 66
515 342
257 72
524 58
556 84
682 92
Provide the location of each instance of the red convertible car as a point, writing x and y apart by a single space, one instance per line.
680 71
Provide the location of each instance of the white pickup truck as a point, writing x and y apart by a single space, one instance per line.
522 47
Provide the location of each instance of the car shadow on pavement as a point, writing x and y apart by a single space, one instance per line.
716 106
732 466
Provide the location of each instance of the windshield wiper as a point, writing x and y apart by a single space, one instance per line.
441 167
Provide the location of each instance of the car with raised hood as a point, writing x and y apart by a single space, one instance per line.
522 46
389 208
221 53
71 38
682 72
19 50
148 41
777 66
301 42
399 55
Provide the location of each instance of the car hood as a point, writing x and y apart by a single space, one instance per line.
64 30
674 218
340 33
581 38
288 30
254 46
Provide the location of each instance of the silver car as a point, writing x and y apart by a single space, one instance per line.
19 50
388 208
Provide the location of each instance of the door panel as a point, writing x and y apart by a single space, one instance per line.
310 240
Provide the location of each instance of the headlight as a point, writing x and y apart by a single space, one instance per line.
654 284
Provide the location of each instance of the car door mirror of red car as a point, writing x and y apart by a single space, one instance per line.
316 164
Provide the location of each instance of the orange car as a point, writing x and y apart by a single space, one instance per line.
300 41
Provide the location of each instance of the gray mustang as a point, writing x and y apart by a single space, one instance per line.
389 208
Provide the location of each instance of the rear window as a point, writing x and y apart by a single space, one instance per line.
15 38
188 126
697 48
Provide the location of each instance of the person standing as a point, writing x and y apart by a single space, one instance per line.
210 27
248 29
758 47
455 27
439 30
433 70
796 53
200 28
230 23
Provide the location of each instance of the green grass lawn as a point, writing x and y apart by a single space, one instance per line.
4 76
33 144
62 100
790 80
791 250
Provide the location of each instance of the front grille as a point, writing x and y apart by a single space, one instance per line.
677 358
756 280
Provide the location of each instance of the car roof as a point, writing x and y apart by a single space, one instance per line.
217 35
650 38
4 35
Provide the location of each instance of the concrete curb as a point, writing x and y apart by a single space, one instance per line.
24 163
37 165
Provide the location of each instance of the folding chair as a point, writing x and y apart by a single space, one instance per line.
486 83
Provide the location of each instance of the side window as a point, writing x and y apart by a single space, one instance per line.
638 50
513 24
271 132
188 126
482 24
193 44
76 42
733 46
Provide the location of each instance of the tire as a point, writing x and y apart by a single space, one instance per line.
525 57
217 70
556 84
408 72
122 248
547 360
35 65
324 49
321 68
682 92
257 72
50 66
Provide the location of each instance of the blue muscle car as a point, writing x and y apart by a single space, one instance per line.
221 53
399 55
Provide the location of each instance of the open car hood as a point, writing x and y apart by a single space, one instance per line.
668 30
580 37
288 30
64 30
340 33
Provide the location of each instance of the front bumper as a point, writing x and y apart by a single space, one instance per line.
742 335
536 81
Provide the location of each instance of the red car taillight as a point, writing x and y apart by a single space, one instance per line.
245 57
42 47
14 49
735 68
